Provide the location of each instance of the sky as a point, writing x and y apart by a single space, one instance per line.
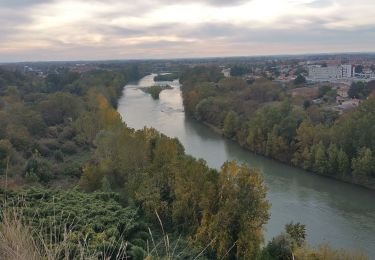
40 30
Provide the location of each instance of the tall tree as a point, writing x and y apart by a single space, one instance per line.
235 225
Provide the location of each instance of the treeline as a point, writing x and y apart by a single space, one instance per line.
266 120
166 77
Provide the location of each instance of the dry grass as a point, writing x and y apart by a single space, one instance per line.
19 242
326 252
16 241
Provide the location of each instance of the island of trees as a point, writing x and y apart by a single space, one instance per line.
77 183
155 90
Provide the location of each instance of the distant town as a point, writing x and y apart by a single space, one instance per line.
335 81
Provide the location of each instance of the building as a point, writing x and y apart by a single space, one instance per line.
331 72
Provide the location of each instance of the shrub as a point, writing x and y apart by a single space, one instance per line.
69 148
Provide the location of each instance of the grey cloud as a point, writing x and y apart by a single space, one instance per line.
21 3
208 2
311 34
321 3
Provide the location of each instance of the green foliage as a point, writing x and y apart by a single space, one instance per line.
238 70
231 124
58 116
323 91
361 89
240 194
57 81
38 168
166 77
97 220
283 246
363 164
279 248
299 80
5 154
155 90
297 232
60 108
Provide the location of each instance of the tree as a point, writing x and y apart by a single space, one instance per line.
276 146
192 178
297 232
280 248
306 104
323 91
38 167
284 245
238 70
333 163
231 124
320 163
299 80
304 140
235 225
60 107
343 163
363 165
5 154
358 90
358 69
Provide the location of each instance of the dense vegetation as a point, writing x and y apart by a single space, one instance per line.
62 132
361 89
47 125
265 119
96 220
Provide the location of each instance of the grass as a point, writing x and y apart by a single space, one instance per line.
18 241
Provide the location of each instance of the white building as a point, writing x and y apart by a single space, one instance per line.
318 73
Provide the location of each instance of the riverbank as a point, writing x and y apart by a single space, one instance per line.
221 132
264 119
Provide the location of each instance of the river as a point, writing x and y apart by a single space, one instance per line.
335 212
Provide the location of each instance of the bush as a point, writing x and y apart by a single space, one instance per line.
59 156
72 170
38 168
69 148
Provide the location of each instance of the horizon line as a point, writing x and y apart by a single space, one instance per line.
193 58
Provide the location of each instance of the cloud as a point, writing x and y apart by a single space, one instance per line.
207 2
94 29
21 3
